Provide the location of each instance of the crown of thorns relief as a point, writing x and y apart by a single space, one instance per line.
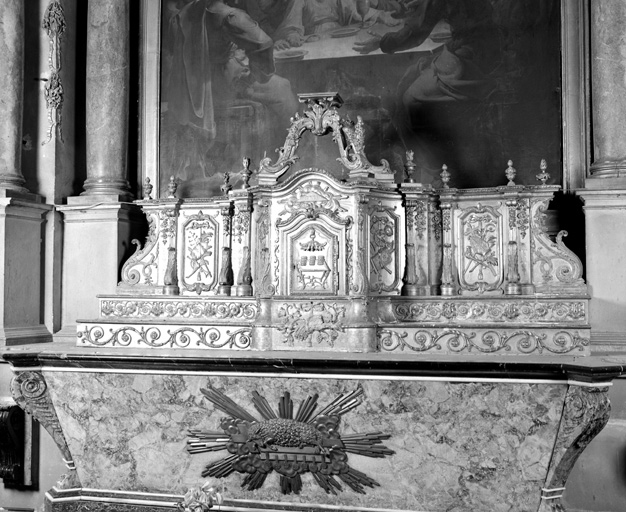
310 442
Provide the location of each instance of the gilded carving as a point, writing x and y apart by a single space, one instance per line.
489 341
557 265
500 311
384 262
314 262
311 199
436 221
199 253
139 267
480 249
321 118
291 445
157 337
167 225
310 323
241 222
523 221
264 262
226 213
54 24
183 309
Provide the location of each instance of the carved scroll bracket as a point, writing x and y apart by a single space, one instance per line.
30 392
586 412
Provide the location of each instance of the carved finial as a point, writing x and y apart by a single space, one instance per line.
445 176
226 187
246 172
543 176
510 173
147 189
171 188
409 166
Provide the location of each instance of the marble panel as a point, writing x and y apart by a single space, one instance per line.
458 446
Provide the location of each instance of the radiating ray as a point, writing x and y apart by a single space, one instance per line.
227 405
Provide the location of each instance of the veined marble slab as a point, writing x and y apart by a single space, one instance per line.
458 446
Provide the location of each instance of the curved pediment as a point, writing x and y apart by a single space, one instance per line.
321 118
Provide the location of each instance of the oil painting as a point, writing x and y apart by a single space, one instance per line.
465 83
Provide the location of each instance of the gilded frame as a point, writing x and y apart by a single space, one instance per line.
575 104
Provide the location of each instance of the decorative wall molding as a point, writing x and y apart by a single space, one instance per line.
54 24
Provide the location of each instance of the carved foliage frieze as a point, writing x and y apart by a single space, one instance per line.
292 445
485 341
306 324
500 311
200 309
171 336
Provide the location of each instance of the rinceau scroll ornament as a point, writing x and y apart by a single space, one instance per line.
293 446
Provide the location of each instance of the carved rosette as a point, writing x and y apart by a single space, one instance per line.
30 392
586 412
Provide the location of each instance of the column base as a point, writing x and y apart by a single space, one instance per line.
21 248
608 169
11 336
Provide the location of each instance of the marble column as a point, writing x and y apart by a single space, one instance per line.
608 82
108 59
11 94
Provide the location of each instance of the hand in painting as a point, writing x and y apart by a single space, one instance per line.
387 19
368 45
281 44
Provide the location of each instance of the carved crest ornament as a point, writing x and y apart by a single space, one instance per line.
293 445
299 259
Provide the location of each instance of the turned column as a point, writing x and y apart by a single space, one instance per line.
108 55
11 94
608 81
